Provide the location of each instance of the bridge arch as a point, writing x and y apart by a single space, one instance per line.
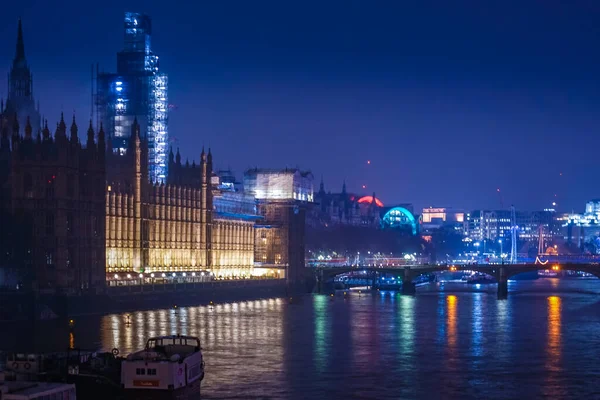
399 217
593 270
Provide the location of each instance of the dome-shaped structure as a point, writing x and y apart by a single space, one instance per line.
400 217
369 200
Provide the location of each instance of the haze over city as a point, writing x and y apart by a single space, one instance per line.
449 101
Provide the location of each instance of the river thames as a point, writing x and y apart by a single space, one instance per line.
454 341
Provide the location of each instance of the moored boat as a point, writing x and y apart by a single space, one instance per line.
169 367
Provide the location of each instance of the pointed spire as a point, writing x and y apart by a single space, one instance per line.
74 137
46 131
90 135
344 187
135 128
28 129
178 157
61 129
187 162
322 186
171 156
20 51
62 124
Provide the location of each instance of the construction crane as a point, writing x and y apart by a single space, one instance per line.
513 235
501 199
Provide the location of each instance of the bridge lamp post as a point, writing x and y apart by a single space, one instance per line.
500 241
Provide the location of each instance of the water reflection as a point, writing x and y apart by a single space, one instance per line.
554 333
469 346
407 327
477 325
451 321
452 356
321 332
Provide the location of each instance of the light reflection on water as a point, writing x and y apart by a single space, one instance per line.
383 345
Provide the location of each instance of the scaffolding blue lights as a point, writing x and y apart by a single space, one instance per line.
137 90
157 128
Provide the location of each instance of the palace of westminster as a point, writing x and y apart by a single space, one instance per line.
77 214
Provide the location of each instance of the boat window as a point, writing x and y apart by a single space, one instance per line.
140 371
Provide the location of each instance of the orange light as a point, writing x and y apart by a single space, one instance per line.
555 267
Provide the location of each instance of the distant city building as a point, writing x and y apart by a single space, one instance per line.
400 218
583 228
282 184
344 208
494 225
436 217
283 198
138 90
20 101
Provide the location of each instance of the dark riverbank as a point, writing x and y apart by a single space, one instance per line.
27 306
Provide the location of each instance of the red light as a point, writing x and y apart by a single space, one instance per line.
53 176
368 161
369 200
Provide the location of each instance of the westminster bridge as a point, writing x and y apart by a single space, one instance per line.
500 272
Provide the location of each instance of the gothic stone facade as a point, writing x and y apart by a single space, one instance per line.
169 228
52 209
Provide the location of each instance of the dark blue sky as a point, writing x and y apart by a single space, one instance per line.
450 100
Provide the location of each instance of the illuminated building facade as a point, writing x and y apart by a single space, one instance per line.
138 90
400 218
284 184
51 209
185 226
233 232
435 217
494 225
583 228
283 197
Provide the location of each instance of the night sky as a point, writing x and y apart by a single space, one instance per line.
450 100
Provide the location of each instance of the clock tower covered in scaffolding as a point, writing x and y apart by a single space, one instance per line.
138 90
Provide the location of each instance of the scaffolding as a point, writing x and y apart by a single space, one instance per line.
137 91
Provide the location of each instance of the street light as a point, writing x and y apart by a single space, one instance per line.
500 241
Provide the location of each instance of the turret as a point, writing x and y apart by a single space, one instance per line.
28 130
74 136
46 131
90 137
61 130
178 158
